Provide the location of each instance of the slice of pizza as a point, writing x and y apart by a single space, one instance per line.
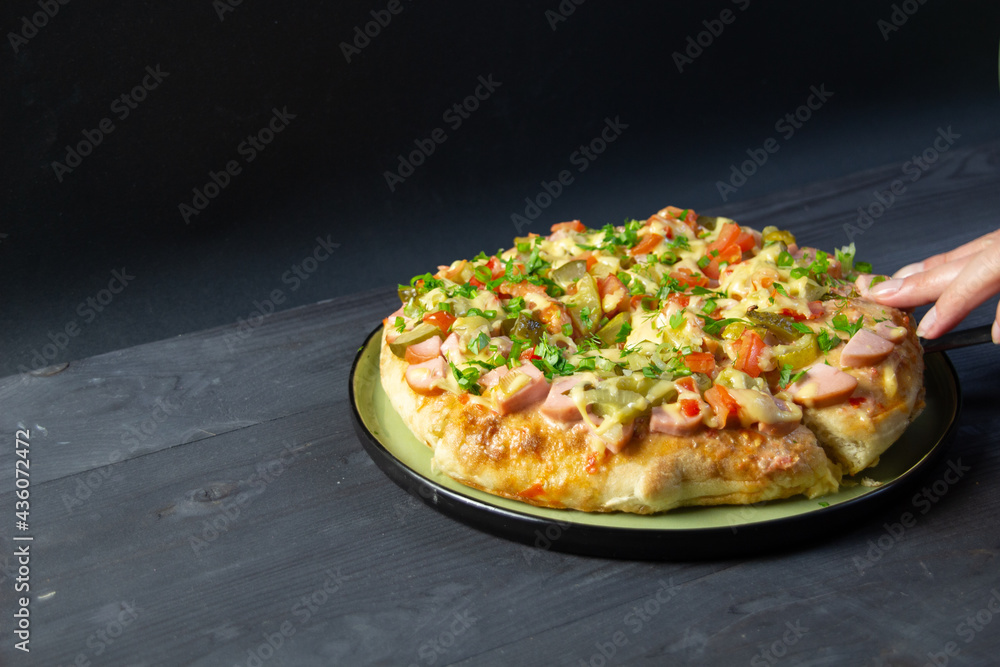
680 360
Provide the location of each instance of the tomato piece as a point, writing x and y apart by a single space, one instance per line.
441 319
681 300
686 384
496 267
646 245
794 314
689 278
519 289
700 362
689 407
477 283
614 296
690 218
723 404
731 254
746 241
572 226
727 236
527 355
748 350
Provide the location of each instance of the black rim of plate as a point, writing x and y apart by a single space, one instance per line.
751 538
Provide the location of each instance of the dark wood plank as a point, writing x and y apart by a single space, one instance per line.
263 433
132 402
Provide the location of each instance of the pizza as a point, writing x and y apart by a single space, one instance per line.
674 361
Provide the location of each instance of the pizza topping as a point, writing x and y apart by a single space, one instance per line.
891 332
424 351
418 334
520 389
822 386
865 349
559 405
801 353
428 377
603 325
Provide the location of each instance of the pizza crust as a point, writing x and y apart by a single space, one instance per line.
527 457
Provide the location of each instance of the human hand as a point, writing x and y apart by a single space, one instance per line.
956 282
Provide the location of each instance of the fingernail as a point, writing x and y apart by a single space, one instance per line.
909 270
996 333
927 323
887 287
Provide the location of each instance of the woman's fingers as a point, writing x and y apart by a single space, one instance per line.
962 251
995 331
978 280
915 289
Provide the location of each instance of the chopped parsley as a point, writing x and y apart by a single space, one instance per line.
552 361
478 343
841 323
827 341
715 327
488 314
467 379
786 376
514 305
623 333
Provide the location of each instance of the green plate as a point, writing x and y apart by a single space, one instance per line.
717 531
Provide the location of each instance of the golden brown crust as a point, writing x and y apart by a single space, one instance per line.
527 457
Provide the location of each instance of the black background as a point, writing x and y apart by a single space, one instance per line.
323 175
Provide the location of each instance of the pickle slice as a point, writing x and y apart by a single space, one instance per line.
418 334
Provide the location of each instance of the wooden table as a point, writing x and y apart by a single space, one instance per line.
204 500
